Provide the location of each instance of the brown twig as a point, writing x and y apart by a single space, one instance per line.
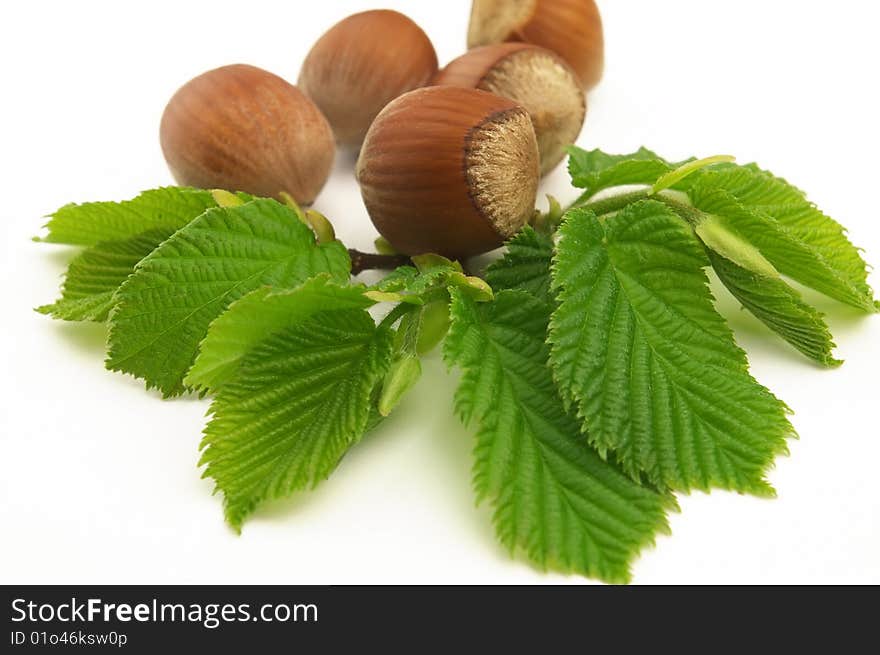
368 261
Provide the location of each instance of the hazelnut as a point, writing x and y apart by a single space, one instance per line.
533 77
571 28
361 64
449 170
245 129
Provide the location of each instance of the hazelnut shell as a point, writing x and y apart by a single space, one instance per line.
571 28
244 129
538 79
361 64
449 170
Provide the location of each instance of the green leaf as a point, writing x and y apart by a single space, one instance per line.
259 314
167 209
398 280
434 326
595 170
403 376
164 310
590 162
780 308
297 403
375 418
525 265
650 365
409 281
95 274
406 368
794 235
717 235
678 177
553 496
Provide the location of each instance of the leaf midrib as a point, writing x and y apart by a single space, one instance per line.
260 273
668 367
526 411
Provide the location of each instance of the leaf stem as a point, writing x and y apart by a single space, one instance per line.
685 211
676 176
396 314
611 203
674 200
617 202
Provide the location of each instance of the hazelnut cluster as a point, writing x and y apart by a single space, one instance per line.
449 160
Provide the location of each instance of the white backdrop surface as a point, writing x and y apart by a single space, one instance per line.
98 478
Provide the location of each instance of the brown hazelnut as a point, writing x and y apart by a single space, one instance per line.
361 64
449 170
244 129
533 77
571 28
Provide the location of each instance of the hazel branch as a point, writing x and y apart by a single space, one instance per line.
367 261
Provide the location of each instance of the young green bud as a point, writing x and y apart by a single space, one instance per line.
719 237
384 247
226 199
321 226
401 378
555 212
427 261
289 200
477 288
435 325
383 296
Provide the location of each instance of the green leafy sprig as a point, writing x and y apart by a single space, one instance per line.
596 372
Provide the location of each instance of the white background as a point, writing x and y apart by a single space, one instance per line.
98 478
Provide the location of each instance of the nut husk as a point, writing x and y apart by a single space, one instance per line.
571 28
242 128
538 79
361 64
449 170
